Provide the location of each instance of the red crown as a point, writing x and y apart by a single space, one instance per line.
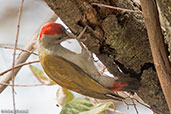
51 28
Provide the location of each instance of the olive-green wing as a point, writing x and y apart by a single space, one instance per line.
71 76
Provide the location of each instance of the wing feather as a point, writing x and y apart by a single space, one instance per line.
71 76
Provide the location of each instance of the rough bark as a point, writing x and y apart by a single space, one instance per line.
165 19
158 48
115 36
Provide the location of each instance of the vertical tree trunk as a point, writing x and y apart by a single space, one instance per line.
157 45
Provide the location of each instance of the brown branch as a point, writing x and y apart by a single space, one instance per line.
159 52
24 55
18 66
13 63
20 85
28 51
154 110
116 111
140 102
135 106
117 8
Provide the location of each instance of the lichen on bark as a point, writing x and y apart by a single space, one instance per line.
128 39
152 92
164 7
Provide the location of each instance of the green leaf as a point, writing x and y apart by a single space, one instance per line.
84 106
64 96
69 95
40 75
98 108
76 106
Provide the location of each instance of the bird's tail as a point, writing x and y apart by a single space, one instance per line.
125 84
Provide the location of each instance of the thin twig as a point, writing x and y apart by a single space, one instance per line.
117 8
9 44
118 112
78 37
17 66
13 63
21 85
23 50
155 111
82 32
75 36
135 106
24 55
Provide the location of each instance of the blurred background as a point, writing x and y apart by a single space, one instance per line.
37 99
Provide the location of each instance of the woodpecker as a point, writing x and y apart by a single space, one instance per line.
76 71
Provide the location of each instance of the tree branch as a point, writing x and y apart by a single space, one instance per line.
24 55
6 47
15 46
18 66
157 45
117 8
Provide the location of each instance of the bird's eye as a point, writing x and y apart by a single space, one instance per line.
60 38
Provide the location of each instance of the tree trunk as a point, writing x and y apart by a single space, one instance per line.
116 36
